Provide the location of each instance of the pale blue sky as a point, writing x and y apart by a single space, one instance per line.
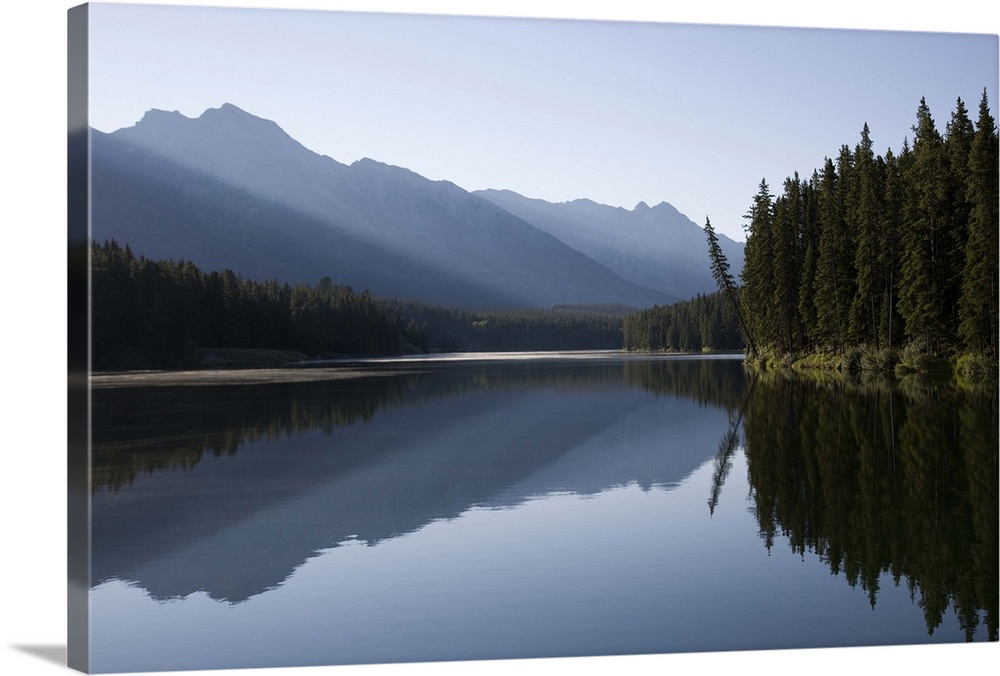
614 111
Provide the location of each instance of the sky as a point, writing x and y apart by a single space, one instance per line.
617 111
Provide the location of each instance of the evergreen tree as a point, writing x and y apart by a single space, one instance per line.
810 258
757 275
726 283
921 291
877 252
835 277
978 307
893 203
786 264
958 145
864 221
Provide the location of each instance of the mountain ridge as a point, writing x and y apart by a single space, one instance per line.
654 246
241 189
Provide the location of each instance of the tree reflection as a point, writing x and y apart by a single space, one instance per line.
140 430
723 463
876 478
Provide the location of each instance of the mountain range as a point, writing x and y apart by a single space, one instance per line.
656 247
231 190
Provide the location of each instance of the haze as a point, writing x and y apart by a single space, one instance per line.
617 112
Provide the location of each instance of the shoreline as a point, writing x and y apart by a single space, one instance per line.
347 368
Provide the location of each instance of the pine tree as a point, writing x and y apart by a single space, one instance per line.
786 264
889 324
835 276
921 288
958 145
757 268
724 278
978 306
863 225
810 259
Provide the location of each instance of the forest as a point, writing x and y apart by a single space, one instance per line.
706 322
167 314
888 258
882 253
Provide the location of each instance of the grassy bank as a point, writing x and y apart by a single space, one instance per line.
912 360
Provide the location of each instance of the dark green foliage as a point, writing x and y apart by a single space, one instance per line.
810 262
158 313
757 276
876 252
786 265
724 279
922 300
890 324
835 277
978 301
161 314
702 323
865 221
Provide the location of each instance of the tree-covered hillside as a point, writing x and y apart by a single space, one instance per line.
879 252
893 257
163 314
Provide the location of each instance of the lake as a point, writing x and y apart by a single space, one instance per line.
534 506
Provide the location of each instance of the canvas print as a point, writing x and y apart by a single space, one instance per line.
406 338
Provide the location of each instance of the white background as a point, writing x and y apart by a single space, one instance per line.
33 327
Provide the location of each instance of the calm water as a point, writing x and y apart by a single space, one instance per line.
532 508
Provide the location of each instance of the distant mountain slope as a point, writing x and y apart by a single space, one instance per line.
655 247
231 190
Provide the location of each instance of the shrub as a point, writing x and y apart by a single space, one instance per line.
883 360
917 357
976 367
850 360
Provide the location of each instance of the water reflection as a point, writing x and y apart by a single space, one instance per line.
229 489
875 478
139 430
567 499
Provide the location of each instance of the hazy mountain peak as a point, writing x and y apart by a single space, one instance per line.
259 202
668 208
155 115
227 113
230 117
374 165
656 247
230 109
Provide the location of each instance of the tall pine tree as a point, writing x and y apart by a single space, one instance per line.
864 221
922 299
757 274
978 306
958 145
786 263
835 276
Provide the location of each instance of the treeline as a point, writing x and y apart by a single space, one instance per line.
881 252
162 314
436 329
706 322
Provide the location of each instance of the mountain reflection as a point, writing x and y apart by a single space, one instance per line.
140 430
228 489
876 478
